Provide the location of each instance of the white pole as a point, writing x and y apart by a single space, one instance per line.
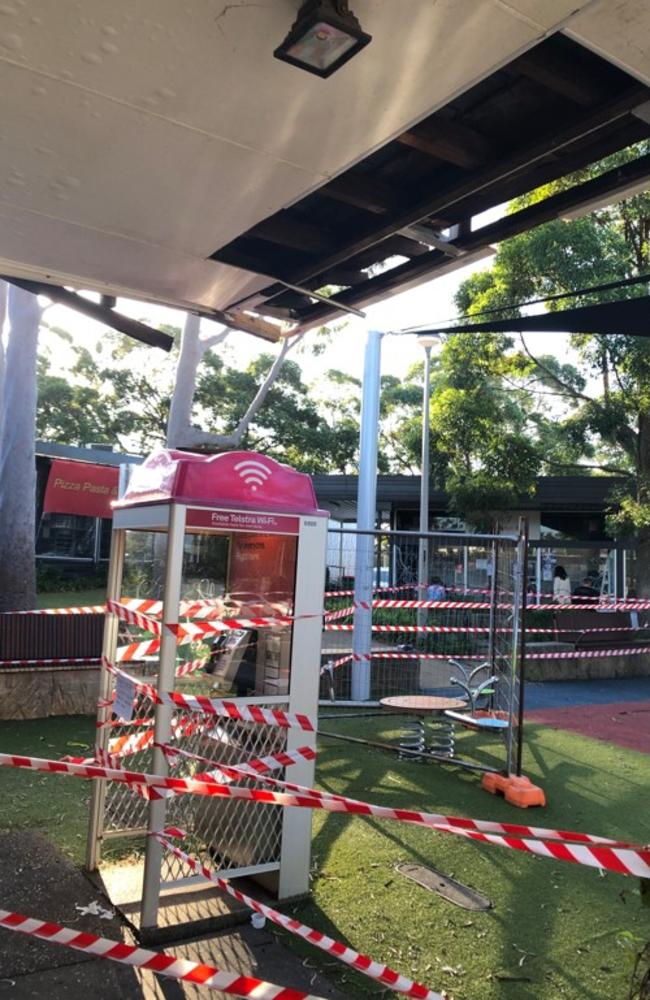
163 717
427 342
366 515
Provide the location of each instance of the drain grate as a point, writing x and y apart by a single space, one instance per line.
449 888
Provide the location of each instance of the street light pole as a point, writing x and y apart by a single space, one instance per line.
423 547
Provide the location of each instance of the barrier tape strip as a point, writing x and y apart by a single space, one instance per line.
374 970
190 667
217 706
197 630
225 774
332 616
375 590
89 609
635 605
584 849
481 629
137 650
249 768
580 654
57 661
453 822
159 962
125 614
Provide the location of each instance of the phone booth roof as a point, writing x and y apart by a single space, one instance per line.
235 479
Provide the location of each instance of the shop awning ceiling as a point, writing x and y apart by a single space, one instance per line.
158 151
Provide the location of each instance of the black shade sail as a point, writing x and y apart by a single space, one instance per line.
629 317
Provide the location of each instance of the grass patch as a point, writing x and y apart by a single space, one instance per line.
71 598
553 924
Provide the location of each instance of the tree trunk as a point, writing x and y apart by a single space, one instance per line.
17 456
181 433
180 410
643 495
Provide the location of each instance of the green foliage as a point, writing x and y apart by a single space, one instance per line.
599 416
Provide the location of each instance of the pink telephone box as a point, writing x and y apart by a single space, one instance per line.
241 535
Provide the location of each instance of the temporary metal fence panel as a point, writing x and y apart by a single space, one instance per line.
427 635
236 837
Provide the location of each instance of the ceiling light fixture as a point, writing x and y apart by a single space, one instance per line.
324 36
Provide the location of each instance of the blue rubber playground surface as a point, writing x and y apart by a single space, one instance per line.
565 694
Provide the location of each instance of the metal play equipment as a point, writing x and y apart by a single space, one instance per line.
217 570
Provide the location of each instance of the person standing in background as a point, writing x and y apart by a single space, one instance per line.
561 586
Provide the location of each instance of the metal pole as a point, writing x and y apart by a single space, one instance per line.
523 545
423 545
366 515
166 682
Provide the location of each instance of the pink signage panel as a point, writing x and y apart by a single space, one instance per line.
240 479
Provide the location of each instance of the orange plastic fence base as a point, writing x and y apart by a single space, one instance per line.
517 790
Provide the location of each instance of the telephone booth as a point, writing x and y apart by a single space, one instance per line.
196 538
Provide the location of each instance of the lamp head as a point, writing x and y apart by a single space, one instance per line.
324 36
429 340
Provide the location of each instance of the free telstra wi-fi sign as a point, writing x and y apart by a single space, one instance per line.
253 473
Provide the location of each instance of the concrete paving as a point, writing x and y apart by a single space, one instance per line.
37 880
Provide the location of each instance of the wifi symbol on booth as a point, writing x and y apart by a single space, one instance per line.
253 473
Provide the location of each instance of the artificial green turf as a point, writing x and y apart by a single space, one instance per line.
554 925
52 803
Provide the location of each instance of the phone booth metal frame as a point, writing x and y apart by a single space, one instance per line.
177 493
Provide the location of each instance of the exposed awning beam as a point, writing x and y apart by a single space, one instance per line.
627 317
98 311
613 184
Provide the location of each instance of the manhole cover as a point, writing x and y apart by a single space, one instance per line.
449 888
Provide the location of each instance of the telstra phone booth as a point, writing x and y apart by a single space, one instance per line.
198 540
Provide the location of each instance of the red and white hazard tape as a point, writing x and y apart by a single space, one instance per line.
358 657
89 609
189 667
198 630
159 962
217 706
248 769
333 616
137 650
478 630
58 661
226 773
374 970
485 606
591 654
585 849
125 614
375 590
333 664
579 654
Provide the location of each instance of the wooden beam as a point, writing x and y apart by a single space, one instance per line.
97 311
366 193
448 141
442 201
613 182
555 73
290 232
